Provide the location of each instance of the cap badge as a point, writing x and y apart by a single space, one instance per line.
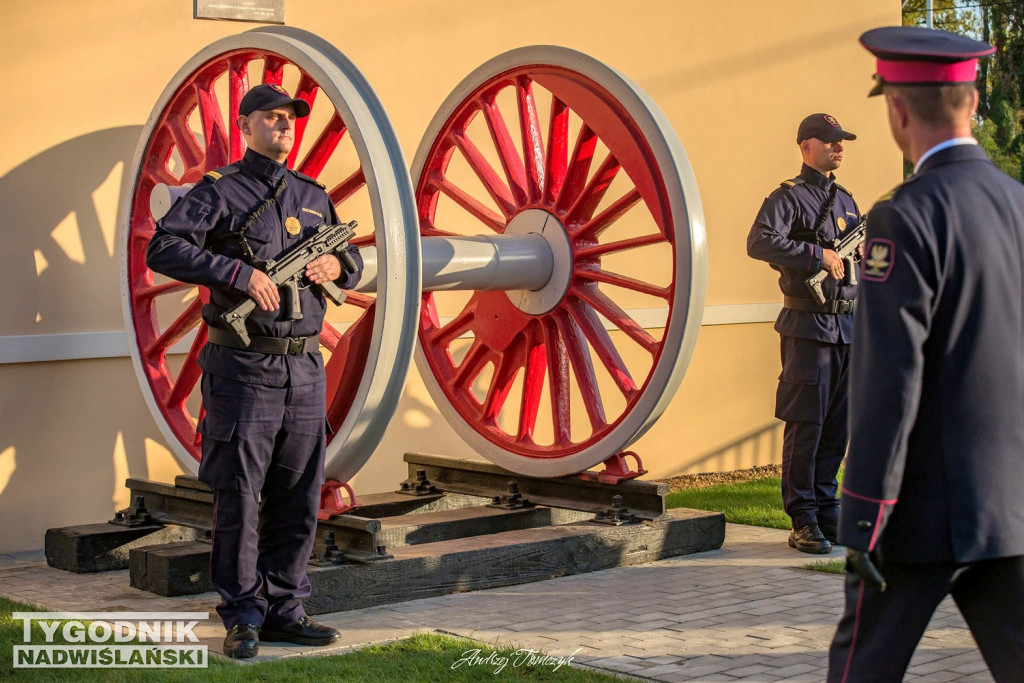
292 225
881 255
278 88
831 120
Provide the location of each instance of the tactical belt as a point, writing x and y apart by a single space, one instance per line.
280 346
835 306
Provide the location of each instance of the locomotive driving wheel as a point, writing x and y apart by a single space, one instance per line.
348 144
548 141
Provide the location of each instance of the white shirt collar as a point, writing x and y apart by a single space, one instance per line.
952 142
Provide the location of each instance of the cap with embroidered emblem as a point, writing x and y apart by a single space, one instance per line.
822 127
270 96
915 56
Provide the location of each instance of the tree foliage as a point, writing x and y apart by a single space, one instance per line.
1000 123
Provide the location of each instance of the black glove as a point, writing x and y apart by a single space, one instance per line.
865 568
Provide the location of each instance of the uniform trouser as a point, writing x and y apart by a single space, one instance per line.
878 632
262 444
812 400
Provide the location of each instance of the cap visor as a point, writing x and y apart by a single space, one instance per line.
877 90
301 107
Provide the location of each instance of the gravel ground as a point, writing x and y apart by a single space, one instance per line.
699 481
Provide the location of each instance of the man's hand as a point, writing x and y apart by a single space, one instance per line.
835 265
263 291
327 268
865 568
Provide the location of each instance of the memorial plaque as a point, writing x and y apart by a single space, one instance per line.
262 11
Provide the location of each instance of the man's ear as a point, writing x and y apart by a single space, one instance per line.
899 109
243 124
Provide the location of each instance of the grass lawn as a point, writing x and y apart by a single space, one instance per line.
757 502
423 657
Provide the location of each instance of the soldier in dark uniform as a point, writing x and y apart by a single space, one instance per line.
932 497
791 232
263 433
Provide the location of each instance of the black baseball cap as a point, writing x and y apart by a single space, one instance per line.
270 96
918 56
824 127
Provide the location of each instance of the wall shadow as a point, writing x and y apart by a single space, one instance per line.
759 447
73 429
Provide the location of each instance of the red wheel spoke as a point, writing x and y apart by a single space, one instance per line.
506 148
558 380
495 187
178 329
273 69
533 384
148 292
579 168
305 90
191 155
593 228
190 372
238 85
618 317
358 300
321 151
504 377
558 150
456 327
586 204
470 204
347 187
215 135
533 146
624 282
603 345
583 368
329 336
472 365
621 245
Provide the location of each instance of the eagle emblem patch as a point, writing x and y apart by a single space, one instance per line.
879 257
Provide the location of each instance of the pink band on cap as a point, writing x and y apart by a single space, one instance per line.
927 72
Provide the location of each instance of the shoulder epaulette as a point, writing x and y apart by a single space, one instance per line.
891 194
308 179
792 182
218 173
843 189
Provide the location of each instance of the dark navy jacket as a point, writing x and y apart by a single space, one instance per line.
935 471
194 243
783 235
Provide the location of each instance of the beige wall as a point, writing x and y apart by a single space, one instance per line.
733 78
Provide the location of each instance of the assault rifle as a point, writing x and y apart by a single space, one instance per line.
288 271
846 246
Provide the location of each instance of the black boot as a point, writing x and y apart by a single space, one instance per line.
305 631
242 641
809 539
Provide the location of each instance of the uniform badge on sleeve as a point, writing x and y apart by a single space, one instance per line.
292 225
879 257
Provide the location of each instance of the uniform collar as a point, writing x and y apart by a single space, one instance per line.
952 142
260 165
816 177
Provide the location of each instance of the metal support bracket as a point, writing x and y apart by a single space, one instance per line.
615 470
331 502
513 500
418 485
133 515
333 555
617 515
